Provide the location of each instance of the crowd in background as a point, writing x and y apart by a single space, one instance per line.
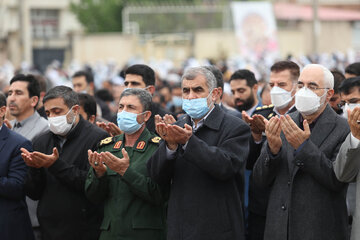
109 77
285 120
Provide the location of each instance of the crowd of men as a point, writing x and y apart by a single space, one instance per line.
183 160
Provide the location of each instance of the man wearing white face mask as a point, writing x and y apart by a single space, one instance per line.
202 158
306 199
346 166
58 169
283 82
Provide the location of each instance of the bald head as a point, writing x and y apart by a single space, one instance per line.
323 75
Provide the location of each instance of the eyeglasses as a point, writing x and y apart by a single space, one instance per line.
311 87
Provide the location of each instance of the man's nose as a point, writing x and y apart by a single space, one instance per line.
192 95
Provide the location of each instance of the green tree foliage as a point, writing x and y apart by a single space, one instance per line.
106 15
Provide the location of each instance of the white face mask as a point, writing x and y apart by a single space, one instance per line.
350 106
280 98
59 125
307 102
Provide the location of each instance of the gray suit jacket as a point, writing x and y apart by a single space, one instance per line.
346 168
306 201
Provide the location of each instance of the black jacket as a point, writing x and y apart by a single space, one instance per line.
63 210
207 180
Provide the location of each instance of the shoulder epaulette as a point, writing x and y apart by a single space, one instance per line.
156 139
265 107
106 141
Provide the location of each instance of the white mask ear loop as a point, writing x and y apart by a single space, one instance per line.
73 117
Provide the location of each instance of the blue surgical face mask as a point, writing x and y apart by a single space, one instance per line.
127 122
196 108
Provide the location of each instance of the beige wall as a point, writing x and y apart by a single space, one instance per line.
334 36
216 44
91 48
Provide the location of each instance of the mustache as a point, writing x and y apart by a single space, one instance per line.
238 100
13 105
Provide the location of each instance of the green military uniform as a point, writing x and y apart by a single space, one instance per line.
134 205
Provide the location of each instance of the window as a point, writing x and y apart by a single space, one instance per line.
45 23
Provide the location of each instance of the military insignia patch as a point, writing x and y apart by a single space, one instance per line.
156 139
106 141
140 145
117 145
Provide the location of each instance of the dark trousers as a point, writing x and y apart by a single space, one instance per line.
256 226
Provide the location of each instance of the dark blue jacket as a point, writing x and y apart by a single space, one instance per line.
14 218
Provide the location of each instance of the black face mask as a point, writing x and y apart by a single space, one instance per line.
247 104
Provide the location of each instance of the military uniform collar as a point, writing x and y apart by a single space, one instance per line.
140 144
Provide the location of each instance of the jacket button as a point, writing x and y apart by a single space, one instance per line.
283 207
289 183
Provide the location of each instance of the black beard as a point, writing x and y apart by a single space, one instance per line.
338 111
246 105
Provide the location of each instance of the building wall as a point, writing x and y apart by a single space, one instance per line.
92 48
215 44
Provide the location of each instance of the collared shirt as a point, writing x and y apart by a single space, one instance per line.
31 126
195 127
252 110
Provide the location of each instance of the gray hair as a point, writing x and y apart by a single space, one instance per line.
143 96
70 96
192 73
328 76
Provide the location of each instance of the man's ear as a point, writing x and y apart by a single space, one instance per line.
329 94
143 117
215 94
92 119
151 89
76 109
147 116
2 112
255 88
34 101
92 86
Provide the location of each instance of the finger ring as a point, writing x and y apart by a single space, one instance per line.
96 164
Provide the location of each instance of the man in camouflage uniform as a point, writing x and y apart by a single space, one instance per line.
134 204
